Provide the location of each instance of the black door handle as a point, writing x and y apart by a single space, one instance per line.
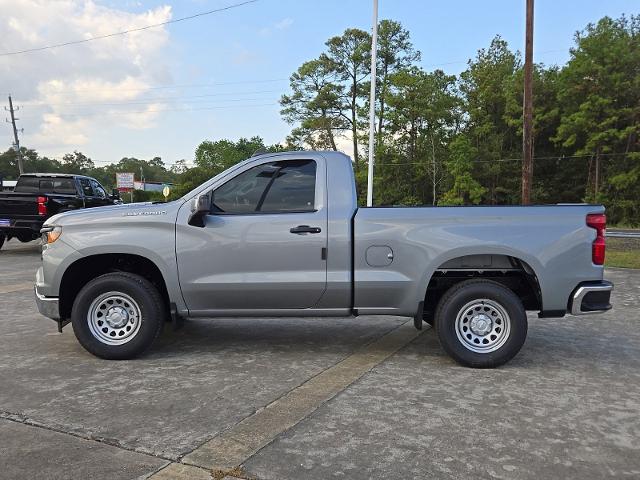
300 229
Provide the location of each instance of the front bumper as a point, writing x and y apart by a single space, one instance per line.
591 297
47 306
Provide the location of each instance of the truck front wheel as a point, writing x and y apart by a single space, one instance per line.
118 316
481 323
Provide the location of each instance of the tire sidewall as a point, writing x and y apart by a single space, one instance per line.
151 318
446 323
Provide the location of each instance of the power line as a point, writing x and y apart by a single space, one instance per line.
171 87
98 113
501 160
125 32
457 62
145 101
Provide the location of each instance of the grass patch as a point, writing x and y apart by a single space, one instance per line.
623 253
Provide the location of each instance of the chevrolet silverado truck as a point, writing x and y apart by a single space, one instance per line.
38 196
282 235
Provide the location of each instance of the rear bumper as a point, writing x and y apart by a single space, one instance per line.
47 306
22 228
591 297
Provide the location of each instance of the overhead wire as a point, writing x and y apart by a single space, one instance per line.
125 32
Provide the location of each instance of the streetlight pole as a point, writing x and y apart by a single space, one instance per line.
372 104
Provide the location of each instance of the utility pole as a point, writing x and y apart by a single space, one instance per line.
16 145
597 179
527 110
372 104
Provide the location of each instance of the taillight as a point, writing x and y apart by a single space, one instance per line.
598 221
42 207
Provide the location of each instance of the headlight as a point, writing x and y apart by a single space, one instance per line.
51 234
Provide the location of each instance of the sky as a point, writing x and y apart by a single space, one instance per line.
162 91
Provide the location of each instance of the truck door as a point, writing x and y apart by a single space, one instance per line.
263 243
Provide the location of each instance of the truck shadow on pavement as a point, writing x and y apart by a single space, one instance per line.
575 341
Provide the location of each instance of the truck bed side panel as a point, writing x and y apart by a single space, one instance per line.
553 240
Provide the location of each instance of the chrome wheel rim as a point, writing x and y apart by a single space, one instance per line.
483 325
114 318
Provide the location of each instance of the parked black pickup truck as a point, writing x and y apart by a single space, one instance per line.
39 196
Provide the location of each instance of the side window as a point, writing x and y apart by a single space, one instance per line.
85 184
293 189
97 188
64 185
287 186
242 193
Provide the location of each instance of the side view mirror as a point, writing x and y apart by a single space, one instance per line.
115 194
200 206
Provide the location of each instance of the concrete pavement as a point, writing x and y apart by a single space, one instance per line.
567 406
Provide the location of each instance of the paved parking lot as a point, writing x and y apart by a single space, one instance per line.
369 398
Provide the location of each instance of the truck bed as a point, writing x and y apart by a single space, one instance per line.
411 243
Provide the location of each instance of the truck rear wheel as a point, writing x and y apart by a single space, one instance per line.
481 323
118 316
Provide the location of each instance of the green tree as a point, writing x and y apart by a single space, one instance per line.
314 104
465 189
423 112
77 163
600 102
349 56
484 86
395 53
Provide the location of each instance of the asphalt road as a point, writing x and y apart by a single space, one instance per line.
322 398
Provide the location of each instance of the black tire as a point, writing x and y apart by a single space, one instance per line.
134 300
483 303
2 237
23 239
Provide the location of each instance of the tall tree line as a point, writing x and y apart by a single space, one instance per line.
444 139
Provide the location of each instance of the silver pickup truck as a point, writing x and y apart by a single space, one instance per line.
282 235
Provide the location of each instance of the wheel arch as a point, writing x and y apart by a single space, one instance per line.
85 269
515 270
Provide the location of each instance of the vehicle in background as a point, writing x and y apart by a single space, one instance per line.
282 235
38 196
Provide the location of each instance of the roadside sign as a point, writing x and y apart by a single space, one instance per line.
124 181
166 191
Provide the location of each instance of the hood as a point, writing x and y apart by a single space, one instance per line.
123 211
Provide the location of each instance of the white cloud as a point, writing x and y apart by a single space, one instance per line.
56 87
280 25
284 24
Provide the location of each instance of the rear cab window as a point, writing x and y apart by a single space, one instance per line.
60 185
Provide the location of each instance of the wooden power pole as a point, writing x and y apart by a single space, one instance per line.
527 110
16 144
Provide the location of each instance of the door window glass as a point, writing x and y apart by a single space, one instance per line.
287 186
293 189
64 185
99 191
85 184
